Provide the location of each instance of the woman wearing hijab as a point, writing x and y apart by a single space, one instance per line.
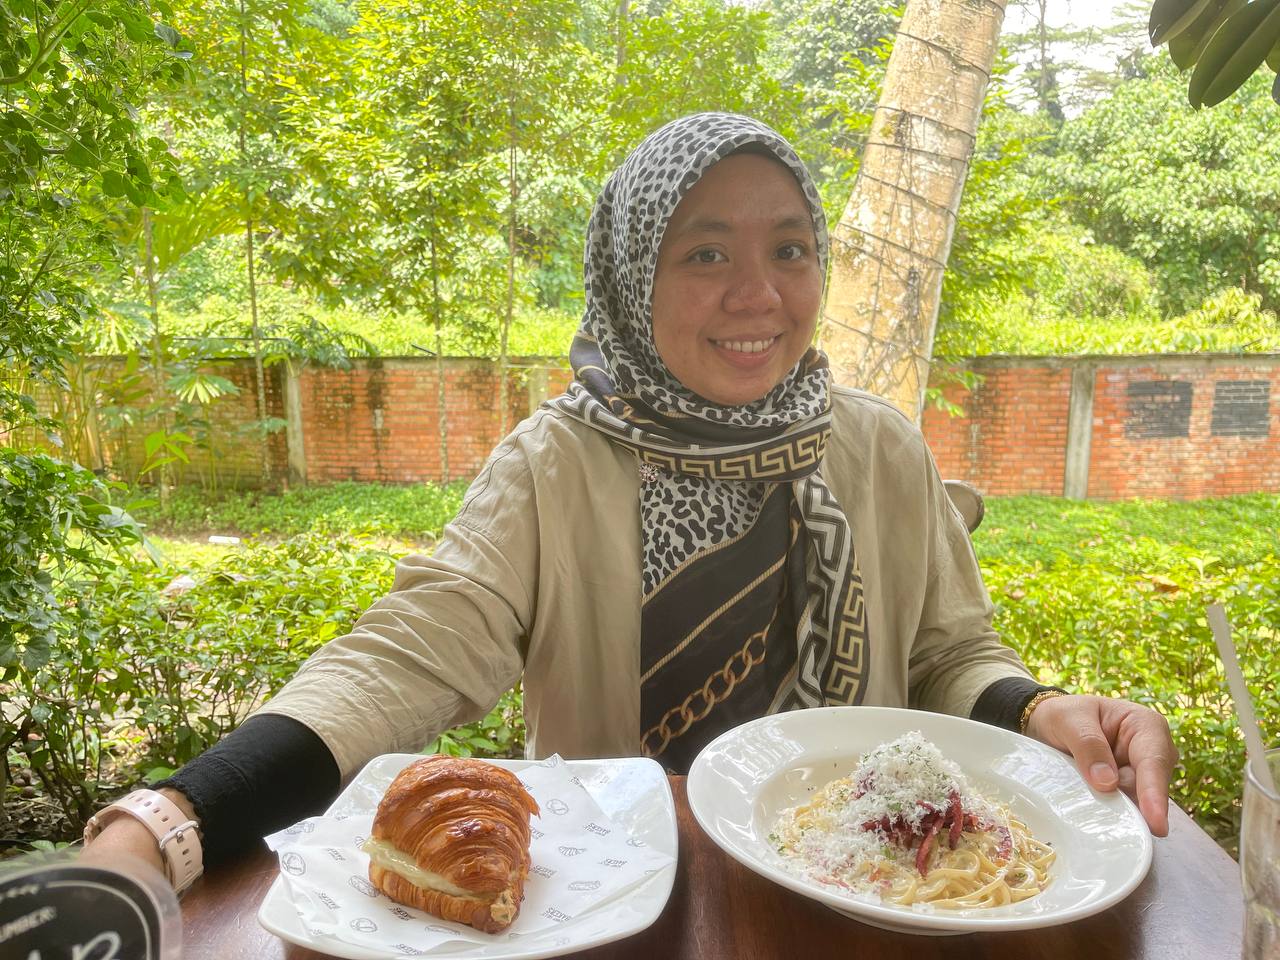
701 531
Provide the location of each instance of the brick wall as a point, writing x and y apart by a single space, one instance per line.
1105 427
1189 428
1181 427
1013 437
380 420
234 449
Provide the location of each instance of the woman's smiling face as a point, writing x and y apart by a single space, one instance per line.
738 285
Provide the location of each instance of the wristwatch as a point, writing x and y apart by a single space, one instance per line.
179 838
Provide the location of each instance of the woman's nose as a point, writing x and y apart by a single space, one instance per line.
753 293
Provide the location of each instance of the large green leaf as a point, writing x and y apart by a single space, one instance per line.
1185 49
179 228
1235 52
198 387
1170 17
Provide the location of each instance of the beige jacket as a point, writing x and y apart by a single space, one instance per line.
540 573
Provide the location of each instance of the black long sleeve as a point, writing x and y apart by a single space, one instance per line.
1002 703
269 772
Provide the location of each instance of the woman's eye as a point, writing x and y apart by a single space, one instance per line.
792 251
707 256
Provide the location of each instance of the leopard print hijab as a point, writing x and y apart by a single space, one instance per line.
752 597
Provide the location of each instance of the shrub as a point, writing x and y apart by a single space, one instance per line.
58 532
156 675
500 734
192 660
1097 628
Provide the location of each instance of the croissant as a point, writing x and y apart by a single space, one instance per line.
451 837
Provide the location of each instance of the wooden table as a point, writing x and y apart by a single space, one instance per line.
1188 907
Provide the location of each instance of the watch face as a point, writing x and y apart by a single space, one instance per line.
65 910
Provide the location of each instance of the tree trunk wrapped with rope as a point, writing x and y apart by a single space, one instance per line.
890 247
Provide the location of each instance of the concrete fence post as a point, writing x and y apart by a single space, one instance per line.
537 381
294 433
1075 480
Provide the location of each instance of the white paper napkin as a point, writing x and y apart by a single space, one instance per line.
581 859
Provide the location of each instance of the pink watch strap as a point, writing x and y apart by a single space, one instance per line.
179 838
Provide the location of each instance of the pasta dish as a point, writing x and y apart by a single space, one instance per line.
906 826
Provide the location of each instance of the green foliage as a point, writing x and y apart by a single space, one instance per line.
1226 40
71 135
69 75
1144 637
1151 228
166 666
57 528
1051 288
414 152
264 607
1229 321
1195 195
1109 599
995 223
416 513
816 38
1132 536
499 734
694 55
55 520
536 331
832 54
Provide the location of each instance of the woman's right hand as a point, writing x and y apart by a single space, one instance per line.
126 836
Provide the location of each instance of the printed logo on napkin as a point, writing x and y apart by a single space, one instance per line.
580 860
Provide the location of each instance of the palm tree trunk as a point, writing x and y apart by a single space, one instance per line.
890 247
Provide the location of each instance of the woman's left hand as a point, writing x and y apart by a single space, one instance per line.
1115 743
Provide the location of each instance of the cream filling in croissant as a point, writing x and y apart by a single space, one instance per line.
390 857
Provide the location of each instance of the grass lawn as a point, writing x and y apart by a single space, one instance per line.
412 513
1131 535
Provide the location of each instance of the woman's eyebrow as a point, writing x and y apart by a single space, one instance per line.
704 225
710 225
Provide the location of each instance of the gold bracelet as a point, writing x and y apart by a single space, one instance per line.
1034 702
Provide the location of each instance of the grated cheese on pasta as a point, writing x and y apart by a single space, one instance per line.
825 836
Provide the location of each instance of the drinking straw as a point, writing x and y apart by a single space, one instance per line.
1240 695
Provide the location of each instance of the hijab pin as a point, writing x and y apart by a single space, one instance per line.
648 472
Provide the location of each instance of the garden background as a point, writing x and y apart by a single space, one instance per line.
311 183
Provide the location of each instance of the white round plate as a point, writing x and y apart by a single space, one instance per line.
633 791
744 779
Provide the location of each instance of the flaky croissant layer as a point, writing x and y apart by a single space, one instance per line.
464 824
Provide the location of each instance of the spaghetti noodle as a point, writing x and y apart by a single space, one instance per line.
907 826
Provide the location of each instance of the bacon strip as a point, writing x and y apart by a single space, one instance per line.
922 857
953 818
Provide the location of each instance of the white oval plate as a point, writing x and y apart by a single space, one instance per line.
744 779
633 791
